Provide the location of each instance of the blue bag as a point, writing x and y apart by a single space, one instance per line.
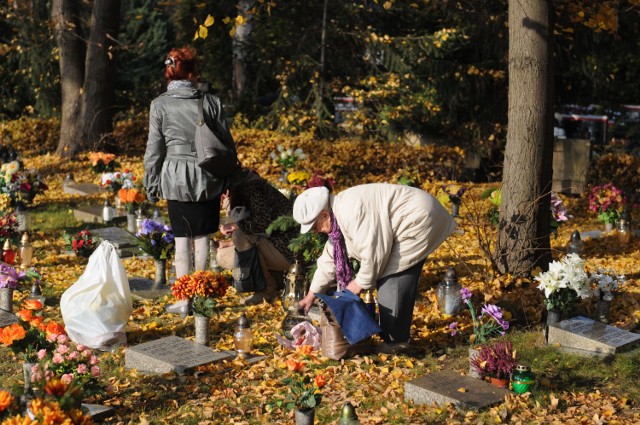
352 314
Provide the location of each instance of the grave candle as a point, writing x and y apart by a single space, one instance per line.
25 251
8 253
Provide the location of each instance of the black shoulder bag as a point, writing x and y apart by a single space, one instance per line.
247 273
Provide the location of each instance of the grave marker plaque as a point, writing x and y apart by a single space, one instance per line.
447 386
171 354
7 319
586 336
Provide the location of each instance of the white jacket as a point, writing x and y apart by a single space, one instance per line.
388 228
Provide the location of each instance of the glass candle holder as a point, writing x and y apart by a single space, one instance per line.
448 293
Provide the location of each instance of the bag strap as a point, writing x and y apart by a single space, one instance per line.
200 120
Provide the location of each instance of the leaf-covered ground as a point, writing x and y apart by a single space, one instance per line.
570 389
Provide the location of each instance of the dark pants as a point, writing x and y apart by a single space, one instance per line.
396 298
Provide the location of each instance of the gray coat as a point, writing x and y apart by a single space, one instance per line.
170 168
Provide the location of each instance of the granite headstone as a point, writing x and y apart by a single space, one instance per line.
582 335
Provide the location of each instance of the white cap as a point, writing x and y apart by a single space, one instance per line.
308 205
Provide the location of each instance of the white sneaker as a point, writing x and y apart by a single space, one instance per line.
180 307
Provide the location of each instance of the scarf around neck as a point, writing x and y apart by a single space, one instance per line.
180 84
344 274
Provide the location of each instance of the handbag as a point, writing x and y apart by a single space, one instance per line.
247 273
214 156
334 344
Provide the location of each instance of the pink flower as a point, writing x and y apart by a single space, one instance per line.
62 348
95 371
57 358
42 354
67 378
81 347
87 353
62 339
82 368
72 355
93 360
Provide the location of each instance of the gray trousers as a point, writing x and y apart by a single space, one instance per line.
396 298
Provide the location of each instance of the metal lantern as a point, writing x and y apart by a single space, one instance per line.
624 228
36 292
295 289
25 251
448 293
348 415
139 218
576 245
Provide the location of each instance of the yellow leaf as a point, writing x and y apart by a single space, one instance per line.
209 21
387 5
196 36
240 20
408 364
226 20
232 33
462 390
203 31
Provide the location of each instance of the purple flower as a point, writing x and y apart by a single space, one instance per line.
466 294
9 277
493 311
504 324
453 327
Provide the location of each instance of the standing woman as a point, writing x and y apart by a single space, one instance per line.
171 171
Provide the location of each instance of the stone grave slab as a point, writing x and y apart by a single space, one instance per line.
97 411
171 354
124 242
582 335
74 188
93 214
7 319
147 288
447 386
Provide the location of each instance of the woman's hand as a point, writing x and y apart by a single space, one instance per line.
354 287
306 303
229 228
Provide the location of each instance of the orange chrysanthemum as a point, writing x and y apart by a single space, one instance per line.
25 315
320 381
202 283
130 196
32 304
56 387
106 158
294 365
12 333
6 399
53 328
35 321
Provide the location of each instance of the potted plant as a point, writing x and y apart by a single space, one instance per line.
563 284
102 161
82 243
608 202
302 389
157 240
496 360
604 284
202 288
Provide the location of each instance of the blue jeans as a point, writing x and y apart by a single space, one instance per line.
396 298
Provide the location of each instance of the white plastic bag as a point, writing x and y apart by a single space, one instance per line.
97 307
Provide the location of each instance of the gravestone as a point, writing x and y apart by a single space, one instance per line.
7 319
571 159
84 189
125 243
97 411
93 214
447 386
582 335
147 288
171 354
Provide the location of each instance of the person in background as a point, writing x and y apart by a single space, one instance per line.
390 229
171 171
253 204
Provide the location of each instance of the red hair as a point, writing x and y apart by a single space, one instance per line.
182 64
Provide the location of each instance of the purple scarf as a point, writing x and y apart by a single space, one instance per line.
344 274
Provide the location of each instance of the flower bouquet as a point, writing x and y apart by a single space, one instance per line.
607 201
59 403
113 182
156 239
605 283
559 213
318 179
454 192
564 283
21 186
131 198
204 287
496 360
9 277
287 158
302 390
298 178
82 243
9 228
490 322
102 162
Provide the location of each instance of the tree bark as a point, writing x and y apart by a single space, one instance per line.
65 17
524 229
239 77
99 85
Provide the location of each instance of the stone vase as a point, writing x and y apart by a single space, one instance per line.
455 209
6 299
202 325
305 416
473 353
553 316
161 271
602 311
131 223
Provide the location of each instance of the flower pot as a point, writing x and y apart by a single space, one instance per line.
455 209
499 382
6 299
608 227
161 271
305 416
553 316
473 353
118 203
602 311
131 223
26 373
202 324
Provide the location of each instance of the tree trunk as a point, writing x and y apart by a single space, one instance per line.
523 238
99 85
65 17
240 37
